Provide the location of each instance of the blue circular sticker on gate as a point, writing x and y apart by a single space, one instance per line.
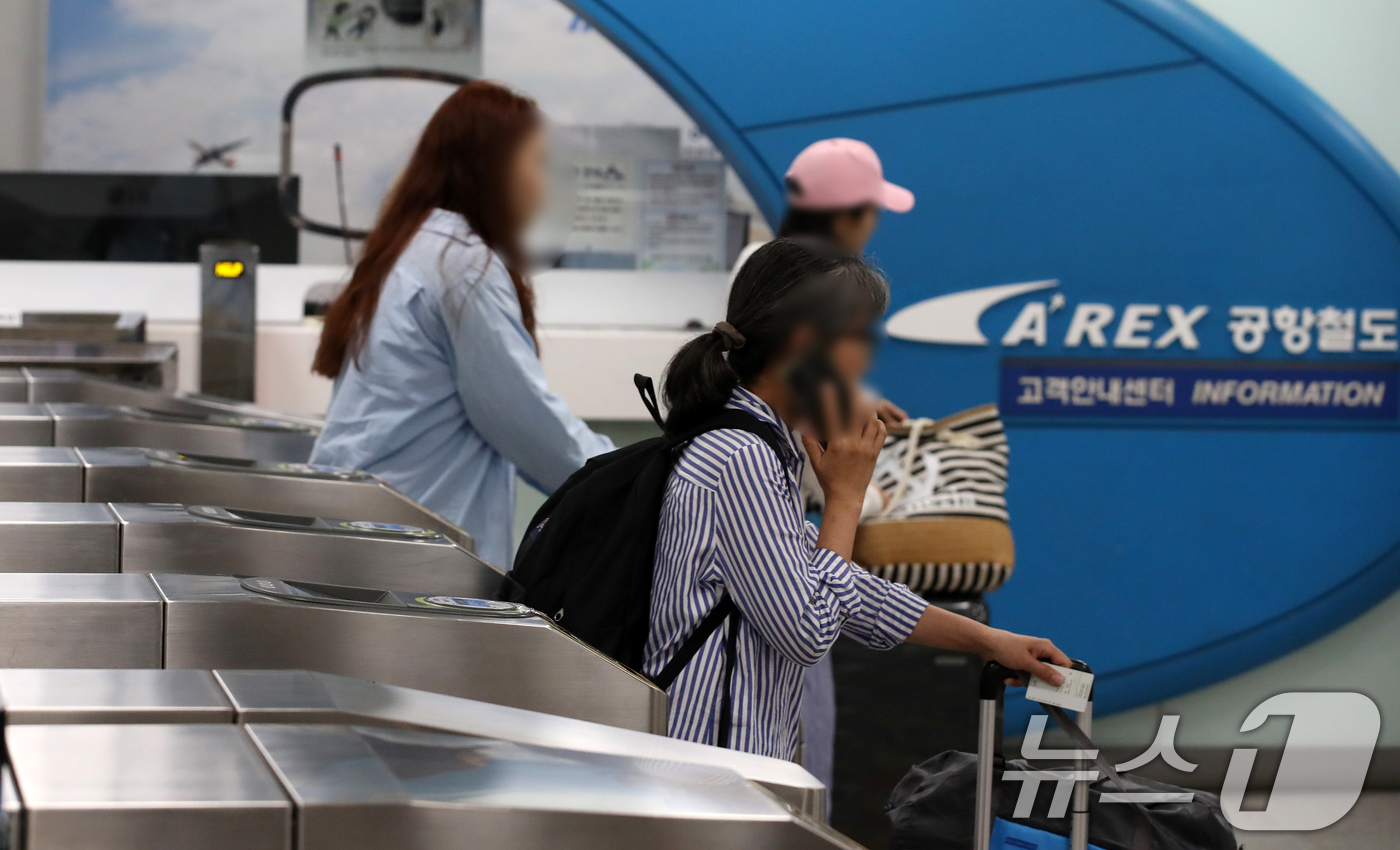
389 528
471 604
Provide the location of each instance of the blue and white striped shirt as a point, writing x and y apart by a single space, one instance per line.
732 520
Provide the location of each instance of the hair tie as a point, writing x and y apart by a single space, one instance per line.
729 335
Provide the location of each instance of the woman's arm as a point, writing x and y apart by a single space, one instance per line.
795 596
502 385
844 469
947 630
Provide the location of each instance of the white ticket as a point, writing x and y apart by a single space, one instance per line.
1073 693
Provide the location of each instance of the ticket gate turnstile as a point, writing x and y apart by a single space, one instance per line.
78 327
495 652
122 474
34 385
81 537
151 364
60 697
318 787
80 424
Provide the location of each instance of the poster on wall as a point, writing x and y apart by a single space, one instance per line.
434 35
606 163
683 216
603 206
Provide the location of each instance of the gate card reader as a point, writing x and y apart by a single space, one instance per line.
368 597
358 527
59 537
116 474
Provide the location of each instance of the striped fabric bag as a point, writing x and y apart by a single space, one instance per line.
944 528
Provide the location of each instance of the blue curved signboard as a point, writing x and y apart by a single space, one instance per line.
1175 269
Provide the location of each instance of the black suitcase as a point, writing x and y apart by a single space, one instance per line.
893 708
928 810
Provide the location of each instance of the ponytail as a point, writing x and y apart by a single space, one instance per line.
761 318
698 381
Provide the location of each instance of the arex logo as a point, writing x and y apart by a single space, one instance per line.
1191 386
955 319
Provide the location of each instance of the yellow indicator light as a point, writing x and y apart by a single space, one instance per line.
228 268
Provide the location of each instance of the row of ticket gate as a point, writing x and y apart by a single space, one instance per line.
64 407
159 609
222 759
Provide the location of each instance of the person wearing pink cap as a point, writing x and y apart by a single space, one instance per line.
836 190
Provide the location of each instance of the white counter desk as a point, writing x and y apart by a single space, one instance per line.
596 327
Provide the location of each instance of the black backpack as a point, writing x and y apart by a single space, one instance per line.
587 559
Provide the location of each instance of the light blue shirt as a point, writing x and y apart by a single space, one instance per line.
448 399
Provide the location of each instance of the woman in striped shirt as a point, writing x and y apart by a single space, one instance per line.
732 522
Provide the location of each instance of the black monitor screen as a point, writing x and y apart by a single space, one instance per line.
139 217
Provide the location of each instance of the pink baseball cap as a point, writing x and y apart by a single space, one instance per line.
837 174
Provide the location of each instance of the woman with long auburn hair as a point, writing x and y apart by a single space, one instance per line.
438 384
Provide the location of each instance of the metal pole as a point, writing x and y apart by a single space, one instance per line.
1079 808
986 754
340 196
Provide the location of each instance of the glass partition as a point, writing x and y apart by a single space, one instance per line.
150 86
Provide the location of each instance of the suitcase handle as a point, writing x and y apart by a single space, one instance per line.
992 698
994 676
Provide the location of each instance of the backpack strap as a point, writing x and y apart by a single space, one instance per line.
733 419
725 609
728 418
726 708
647 390
697 638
